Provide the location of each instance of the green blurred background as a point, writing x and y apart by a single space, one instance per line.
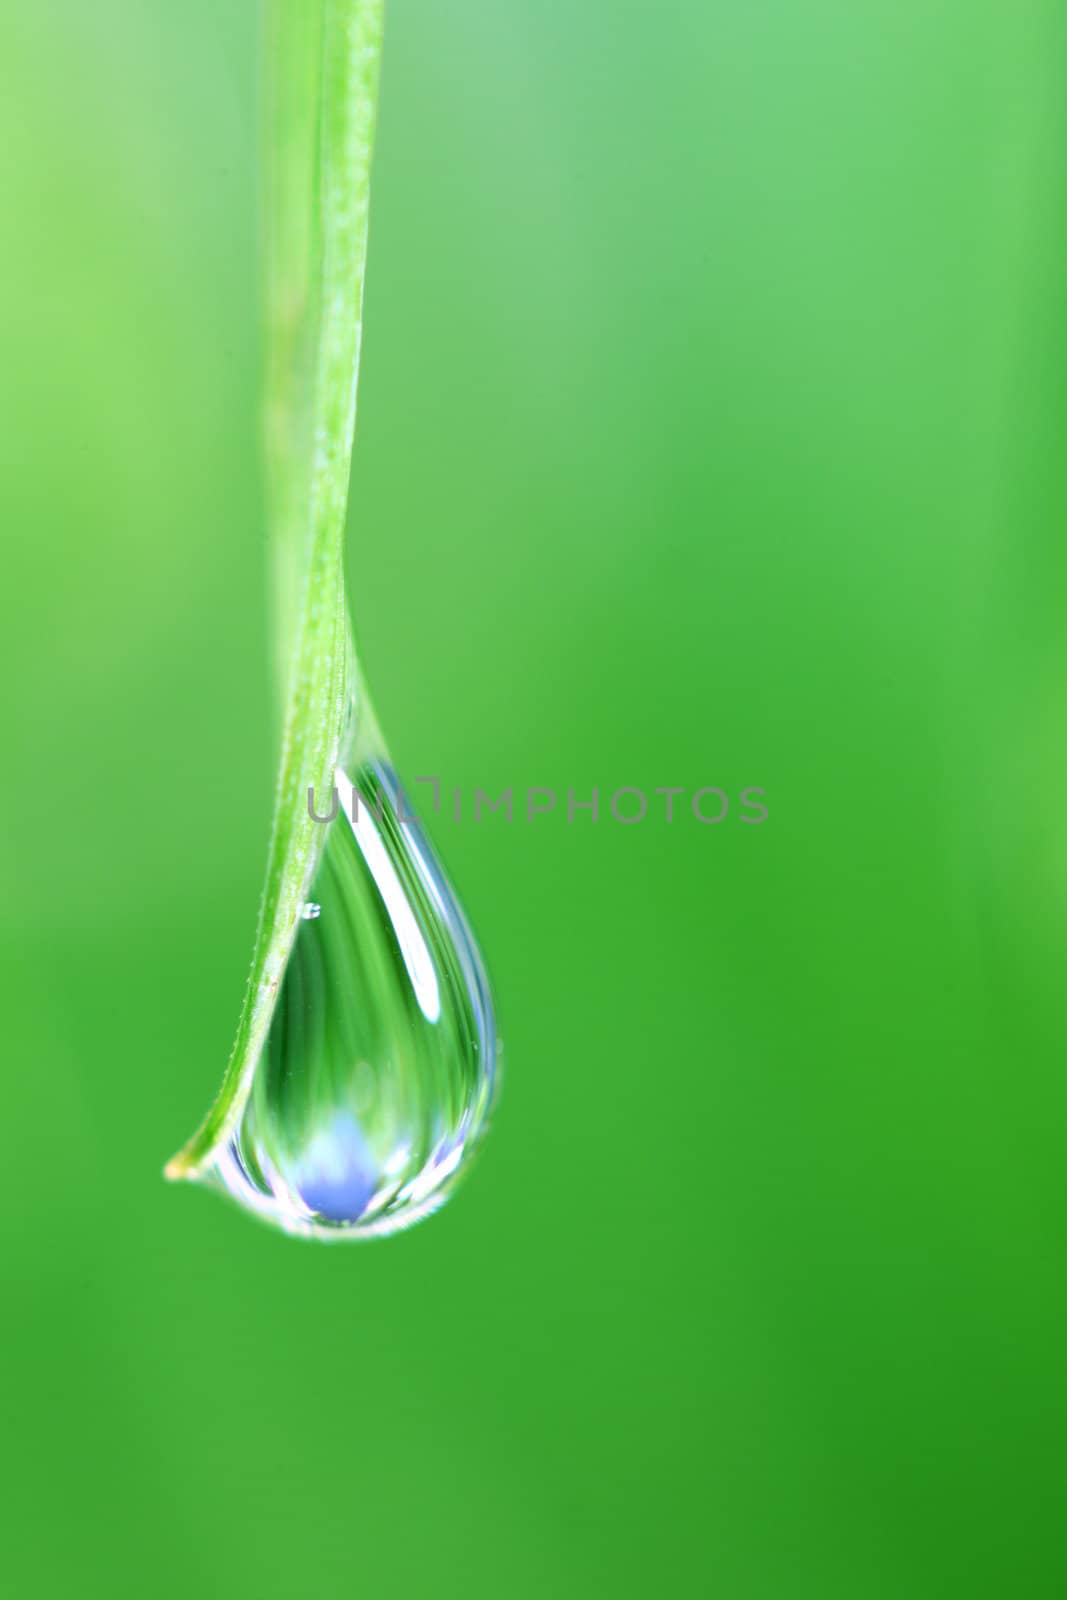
710 433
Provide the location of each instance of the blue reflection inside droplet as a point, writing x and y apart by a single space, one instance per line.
338 1176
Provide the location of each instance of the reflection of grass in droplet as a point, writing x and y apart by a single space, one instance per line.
377 1079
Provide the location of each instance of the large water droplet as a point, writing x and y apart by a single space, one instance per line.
378 1072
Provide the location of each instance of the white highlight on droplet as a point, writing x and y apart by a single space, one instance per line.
413 947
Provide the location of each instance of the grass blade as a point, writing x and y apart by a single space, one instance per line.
324 58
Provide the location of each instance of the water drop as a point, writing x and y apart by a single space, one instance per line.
378 1073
